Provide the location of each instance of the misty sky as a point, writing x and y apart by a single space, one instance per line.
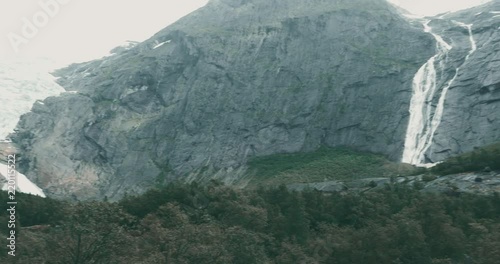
434 7
79 30
86 29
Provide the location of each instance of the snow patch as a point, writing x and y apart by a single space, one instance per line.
443 15
129 44
24 185
413 16
161 44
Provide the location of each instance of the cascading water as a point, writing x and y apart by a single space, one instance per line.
471 38
424 88
424 121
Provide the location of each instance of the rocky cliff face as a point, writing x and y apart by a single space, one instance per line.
243 78
471 116
479 183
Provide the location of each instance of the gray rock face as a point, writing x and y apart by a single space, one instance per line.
471 115
479 183
234 79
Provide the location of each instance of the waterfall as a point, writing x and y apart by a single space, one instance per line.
424 87
471 38
423 121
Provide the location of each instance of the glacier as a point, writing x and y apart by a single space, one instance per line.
23 83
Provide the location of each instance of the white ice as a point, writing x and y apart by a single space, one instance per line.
161 44
22 83
23 184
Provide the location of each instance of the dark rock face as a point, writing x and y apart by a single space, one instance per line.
235 79
471 116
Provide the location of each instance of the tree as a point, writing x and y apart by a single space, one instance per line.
92 233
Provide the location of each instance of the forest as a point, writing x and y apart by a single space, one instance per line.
213 223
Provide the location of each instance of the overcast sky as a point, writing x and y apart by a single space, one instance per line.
78 30
83 29
434 7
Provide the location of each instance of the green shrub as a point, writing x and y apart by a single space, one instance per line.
428 177
322 165
477 160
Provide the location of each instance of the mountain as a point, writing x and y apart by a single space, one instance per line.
455 104
471 116
239 79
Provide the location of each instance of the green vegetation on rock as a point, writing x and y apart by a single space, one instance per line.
323 165
480 159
